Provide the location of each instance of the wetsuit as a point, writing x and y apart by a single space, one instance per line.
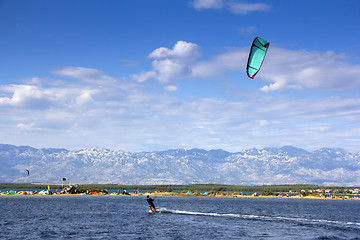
151 203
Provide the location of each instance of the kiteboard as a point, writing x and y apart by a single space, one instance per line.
161 210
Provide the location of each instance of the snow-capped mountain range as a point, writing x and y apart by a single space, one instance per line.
286 165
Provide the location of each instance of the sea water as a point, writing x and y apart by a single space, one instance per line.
127 217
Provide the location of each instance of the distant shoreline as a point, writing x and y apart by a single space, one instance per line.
157 194
305 191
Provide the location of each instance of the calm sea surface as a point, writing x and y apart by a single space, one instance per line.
120 217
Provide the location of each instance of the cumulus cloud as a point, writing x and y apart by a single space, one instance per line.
84 98
169 64
236 7
287 69
182 62
170 69
283 69
87 87
30 96
181 50
297 69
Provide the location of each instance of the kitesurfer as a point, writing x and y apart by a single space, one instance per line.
151 203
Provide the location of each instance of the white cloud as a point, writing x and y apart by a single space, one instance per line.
247 8
280 85
97 107
207 4
88 75
236 7
94 77
34 96
170 69
170 64
84 98
143 76
25 126
30 96
324 71
78 72
171 88
233 60
123 119
285 69
181 50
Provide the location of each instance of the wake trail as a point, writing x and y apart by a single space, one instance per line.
271 218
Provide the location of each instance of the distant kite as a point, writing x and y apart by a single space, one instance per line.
256 56
64 179
28 173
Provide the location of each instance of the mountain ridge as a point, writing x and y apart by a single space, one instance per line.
285 165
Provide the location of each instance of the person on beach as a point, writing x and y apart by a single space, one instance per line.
151 203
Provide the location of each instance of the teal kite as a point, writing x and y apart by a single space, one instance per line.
256 56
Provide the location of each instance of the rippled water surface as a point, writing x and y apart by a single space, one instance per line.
126 217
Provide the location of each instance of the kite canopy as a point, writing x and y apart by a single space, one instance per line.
256 57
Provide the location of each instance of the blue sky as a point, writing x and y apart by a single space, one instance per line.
147 75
